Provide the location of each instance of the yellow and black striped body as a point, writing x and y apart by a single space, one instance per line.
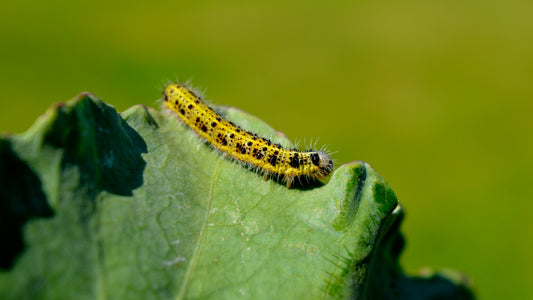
242 145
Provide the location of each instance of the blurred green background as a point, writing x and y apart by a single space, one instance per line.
436 96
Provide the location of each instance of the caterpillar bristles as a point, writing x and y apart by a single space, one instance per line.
259 153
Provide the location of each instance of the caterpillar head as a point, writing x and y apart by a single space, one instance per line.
323 161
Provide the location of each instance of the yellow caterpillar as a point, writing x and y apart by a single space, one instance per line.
247 147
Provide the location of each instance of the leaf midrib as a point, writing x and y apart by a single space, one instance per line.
198 249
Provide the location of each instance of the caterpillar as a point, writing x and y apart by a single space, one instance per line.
247 147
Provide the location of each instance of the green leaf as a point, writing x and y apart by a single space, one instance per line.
135 206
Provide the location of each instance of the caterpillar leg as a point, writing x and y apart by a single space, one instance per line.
288 180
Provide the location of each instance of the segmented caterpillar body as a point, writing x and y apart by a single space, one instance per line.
247 147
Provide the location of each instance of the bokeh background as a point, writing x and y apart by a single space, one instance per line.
435 95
